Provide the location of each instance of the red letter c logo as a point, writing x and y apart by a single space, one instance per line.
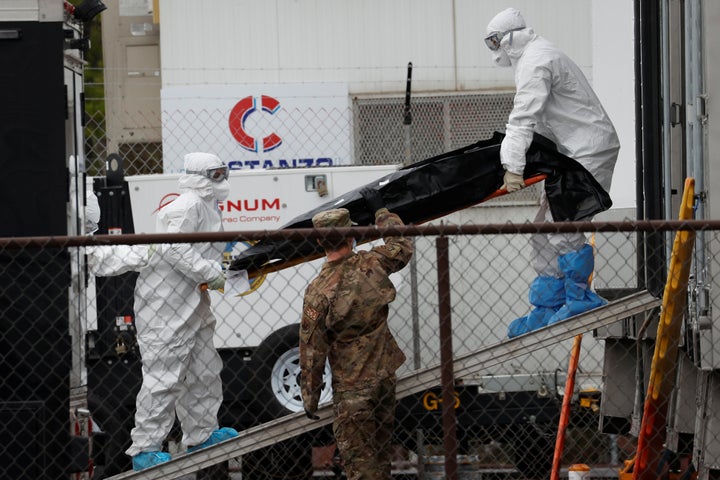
241 111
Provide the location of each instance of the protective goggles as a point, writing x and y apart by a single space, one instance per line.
493 40
216 174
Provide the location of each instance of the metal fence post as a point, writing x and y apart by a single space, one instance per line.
446 360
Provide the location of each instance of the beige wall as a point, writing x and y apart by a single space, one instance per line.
131 53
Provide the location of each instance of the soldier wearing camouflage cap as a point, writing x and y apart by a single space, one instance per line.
337 217
344 319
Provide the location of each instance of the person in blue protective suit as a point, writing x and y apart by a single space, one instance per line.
175 324
554 99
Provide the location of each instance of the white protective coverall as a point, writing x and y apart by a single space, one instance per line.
554 99
175 325
92 212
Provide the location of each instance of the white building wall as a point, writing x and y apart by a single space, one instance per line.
613 79
366 43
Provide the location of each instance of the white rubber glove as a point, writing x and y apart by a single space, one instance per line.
218 283
512 181
151 251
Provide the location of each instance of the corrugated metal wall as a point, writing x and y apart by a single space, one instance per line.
366 43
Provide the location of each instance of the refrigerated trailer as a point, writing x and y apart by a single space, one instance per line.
677 135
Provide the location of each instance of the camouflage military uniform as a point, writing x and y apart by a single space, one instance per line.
345 320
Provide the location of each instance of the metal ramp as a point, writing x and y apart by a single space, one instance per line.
296 424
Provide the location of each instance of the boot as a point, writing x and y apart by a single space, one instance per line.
547 295
577 268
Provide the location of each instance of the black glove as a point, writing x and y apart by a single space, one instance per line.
373 199
311 416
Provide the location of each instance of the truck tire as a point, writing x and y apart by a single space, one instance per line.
276 383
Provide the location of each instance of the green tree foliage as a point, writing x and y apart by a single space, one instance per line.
94 80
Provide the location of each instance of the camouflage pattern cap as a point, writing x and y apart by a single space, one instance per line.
337 217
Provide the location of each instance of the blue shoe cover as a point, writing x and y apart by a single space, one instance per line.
584 300
578 265
225 433
579 298
537 318
547 294
144 460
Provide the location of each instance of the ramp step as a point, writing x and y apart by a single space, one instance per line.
296 424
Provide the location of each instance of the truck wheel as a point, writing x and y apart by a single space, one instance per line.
533 449
277 375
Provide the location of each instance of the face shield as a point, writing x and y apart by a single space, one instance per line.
215 174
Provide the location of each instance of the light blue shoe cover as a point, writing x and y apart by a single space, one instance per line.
225 433
144 460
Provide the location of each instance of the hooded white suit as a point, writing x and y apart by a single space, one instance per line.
175 325
554 99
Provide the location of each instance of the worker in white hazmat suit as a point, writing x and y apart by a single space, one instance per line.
175 325
554 99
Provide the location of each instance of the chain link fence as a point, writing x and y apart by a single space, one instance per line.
506 413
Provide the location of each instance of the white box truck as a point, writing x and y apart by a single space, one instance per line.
257 331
